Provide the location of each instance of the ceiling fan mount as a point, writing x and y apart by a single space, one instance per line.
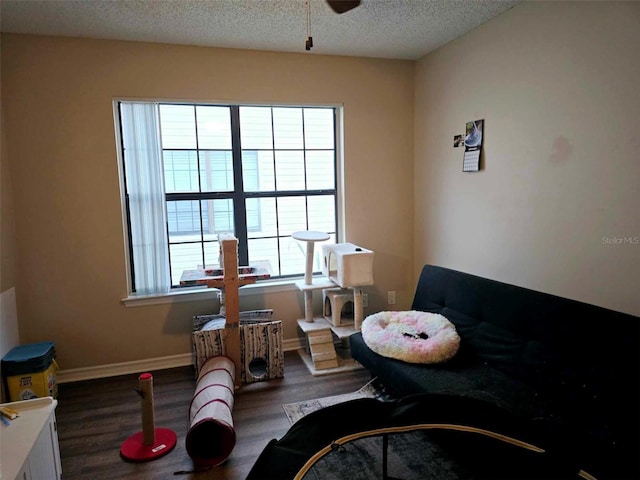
342 6
338 6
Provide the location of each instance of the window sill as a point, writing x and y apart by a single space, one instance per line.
204 293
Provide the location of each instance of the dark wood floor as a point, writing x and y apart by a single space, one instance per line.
95 417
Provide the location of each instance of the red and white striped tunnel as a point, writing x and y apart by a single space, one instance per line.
211 436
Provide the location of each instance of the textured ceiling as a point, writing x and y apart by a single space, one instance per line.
404 29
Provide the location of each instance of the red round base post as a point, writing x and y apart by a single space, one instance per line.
151 442
134 449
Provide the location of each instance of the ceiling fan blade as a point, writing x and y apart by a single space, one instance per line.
341 6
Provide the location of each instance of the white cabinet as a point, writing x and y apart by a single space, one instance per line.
29 444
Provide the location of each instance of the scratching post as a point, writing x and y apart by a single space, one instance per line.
145 385
151 442
229 257
357 308
309 237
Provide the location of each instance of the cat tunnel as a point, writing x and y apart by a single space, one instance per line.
211 436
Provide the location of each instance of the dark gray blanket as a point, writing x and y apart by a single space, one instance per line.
440 436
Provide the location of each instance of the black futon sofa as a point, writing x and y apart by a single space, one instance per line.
569 369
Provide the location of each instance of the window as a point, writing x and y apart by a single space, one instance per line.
191 172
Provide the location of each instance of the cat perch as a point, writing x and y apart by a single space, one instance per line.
346 267
229 279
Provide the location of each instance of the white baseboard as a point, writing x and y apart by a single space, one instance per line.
140 366
125 368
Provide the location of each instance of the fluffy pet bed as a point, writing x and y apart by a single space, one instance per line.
411 336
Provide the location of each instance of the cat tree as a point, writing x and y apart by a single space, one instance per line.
346 267
223 355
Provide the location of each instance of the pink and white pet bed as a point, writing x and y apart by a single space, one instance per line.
411 336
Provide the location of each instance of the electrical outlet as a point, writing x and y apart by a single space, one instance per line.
391 297
365 300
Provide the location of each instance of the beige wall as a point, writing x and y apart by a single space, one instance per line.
7 216
9 333
57 100
557 85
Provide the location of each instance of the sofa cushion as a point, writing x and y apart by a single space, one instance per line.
458 376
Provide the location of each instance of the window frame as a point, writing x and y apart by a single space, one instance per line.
239 196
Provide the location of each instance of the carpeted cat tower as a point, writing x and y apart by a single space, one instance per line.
222 359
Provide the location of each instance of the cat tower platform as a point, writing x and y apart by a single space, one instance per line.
346 267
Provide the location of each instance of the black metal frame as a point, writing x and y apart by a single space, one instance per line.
238 195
